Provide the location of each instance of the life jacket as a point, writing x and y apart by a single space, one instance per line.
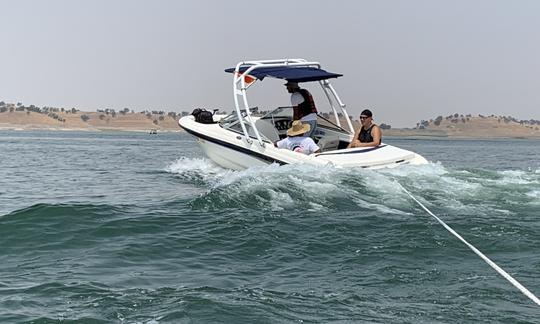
308 105
365 135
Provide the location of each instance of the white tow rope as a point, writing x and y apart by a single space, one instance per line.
480 254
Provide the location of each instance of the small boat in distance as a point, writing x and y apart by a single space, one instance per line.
153 132
241 140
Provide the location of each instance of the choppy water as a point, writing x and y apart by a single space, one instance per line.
133 228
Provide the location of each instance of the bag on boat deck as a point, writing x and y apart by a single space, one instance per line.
203 116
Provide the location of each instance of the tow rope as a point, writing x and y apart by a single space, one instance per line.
492 264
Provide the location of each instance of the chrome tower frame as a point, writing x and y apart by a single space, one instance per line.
240 87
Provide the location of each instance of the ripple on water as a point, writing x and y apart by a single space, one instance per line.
115 234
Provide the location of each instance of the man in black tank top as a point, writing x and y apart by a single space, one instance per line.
368 134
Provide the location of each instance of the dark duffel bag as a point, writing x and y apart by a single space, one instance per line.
203 116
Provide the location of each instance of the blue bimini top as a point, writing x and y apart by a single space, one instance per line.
289 73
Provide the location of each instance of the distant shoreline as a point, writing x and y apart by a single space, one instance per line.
453 126
74 120
450 137
18 128
408 133
391 134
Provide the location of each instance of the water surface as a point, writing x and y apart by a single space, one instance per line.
138 228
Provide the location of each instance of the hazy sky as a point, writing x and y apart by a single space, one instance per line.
406 60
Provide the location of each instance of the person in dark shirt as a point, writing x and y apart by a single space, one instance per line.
368 134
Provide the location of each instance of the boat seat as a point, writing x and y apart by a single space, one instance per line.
328 143
267 129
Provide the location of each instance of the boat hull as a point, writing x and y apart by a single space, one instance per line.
233 150
229 158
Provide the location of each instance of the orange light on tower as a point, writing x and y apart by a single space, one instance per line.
248 79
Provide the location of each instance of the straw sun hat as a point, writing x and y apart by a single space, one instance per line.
298 128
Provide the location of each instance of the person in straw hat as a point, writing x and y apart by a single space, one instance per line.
303 106
296 139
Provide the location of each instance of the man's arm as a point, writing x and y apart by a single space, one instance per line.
296 99
296 114
313 148
355 141
376 134
281 143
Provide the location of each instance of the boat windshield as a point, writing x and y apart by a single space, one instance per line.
280 112
273 125
286 113
323 122
231 119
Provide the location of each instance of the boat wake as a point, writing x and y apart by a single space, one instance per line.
489 207
460 192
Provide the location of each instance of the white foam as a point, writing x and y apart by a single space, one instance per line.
197 168
183 165
381 208
276 183
255 173
535 194
461 187
433 178
312 188
316 187
314 207
280 200
518 177
427 170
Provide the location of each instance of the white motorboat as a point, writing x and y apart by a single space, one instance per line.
241 140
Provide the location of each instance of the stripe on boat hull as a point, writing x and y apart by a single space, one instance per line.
234 147
353 152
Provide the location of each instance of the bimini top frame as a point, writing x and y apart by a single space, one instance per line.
295 70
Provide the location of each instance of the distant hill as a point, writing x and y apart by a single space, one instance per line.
25 118
472 127
17 116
